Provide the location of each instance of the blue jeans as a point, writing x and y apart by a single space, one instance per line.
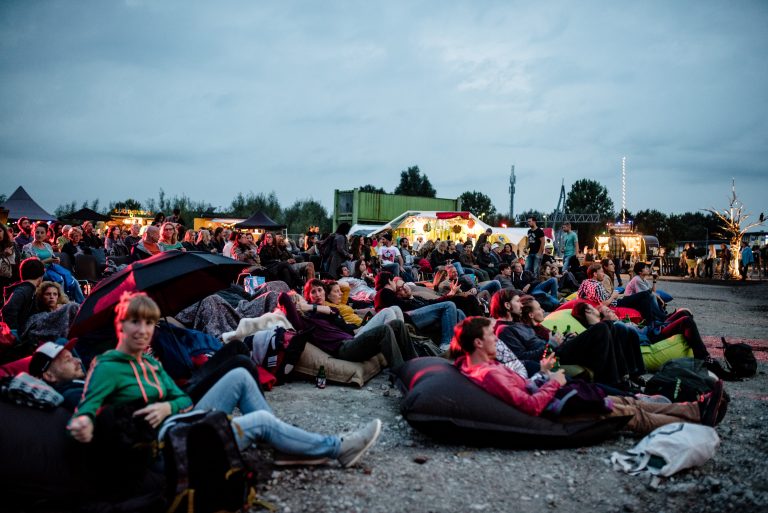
446 313
533 263
492 286
258 423
548 286
566 262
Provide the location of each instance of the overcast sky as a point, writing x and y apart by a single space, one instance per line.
110 100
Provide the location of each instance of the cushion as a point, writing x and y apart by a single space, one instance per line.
572 295
338 371
562 319
655 355
621 311
440 402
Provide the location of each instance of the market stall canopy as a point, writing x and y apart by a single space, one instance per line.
20 204
363 230
86 214
261 221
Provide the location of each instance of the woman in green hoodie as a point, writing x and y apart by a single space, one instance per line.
126 374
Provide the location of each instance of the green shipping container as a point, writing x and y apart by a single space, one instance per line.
355 207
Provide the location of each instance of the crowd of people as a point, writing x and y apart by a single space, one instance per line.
483 304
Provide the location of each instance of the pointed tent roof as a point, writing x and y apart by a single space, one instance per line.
21 204
260 220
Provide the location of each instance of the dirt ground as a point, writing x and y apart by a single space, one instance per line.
450 478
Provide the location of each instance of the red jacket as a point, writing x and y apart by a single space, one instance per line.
507 385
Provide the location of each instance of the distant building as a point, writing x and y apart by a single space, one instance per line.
372 208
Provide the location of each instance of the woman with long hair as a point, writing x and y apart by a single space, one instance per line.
169 238
114 245
203 242
49 296
128 374
277 269
39 248
10 258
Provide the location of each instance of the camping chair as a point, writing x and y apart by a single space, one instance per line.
86 271
65 260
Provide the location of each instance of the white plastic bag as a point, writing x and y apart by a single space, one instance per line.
669 449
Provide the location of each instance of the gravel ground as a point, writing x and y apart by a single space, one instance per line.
406 471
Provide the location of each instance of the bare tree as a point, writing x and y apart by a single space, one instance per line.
733 221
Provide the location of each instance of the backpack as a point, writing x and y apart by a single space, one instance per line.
277 350
182 350
740 358
205 471
681 380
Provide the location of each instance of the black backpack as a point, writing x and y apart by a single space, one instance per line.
681 380
205 471
740 358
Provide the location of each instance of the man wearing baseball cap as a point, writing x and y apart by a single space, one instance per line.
54 363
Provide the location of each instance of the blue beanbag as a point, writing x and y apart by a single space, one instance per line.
440 402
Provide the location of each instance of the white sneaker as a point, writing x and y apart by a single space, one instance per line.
354 445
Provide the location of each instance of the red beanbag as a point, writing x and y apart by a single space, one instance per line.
621 311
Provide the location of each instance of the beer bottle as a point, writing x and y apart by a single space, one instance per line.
320 379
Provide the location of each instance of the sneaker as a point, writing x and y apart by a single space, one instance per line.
354 445
710 405
283 459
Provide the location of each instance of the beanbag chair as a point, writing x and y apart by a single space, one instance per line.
338 371
656 355
572 295
43 469
562 319
440 402
664 295
621 311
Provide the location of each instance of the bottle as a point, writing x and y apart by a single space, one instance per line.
567 329
320 379
626 319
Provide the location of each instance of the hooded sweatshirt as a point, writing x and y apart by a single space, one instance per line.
116 378
19 304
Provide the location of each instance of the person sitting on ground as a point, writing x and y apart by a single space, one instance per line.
613 356
272 259
293 258
360 285
54 363
230 244
10 257
49 296
643 297
53 270
679 323
477 341
134 237
546 289
467 285
19 298
25 235
90 239
203 242
468 262
148 246
114 245
592 288
114 379
508 254
169 238
336 296
389 256
335 337
62 239
409 261
391 291
75 244
189 240
505 276
521 280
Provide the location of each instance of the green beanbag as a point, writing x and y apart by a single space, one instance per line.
655 355
562 319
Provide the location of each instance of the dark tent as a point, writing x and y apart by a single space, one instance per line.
261 221
20 204
86 214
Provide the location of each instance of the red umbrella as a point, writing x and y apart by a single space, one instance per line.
174 279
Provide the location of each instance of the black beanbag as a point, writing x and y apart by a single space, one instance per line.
440 402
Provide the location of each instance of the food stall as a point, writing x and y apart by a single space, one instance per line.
638 246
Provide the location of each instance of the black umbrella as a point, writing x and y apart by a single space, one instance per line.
86 214
174 279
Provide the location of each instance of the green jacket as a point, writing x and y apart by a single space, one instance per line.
116 378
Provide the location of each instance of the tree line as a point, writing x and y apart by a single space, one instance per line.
585 197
